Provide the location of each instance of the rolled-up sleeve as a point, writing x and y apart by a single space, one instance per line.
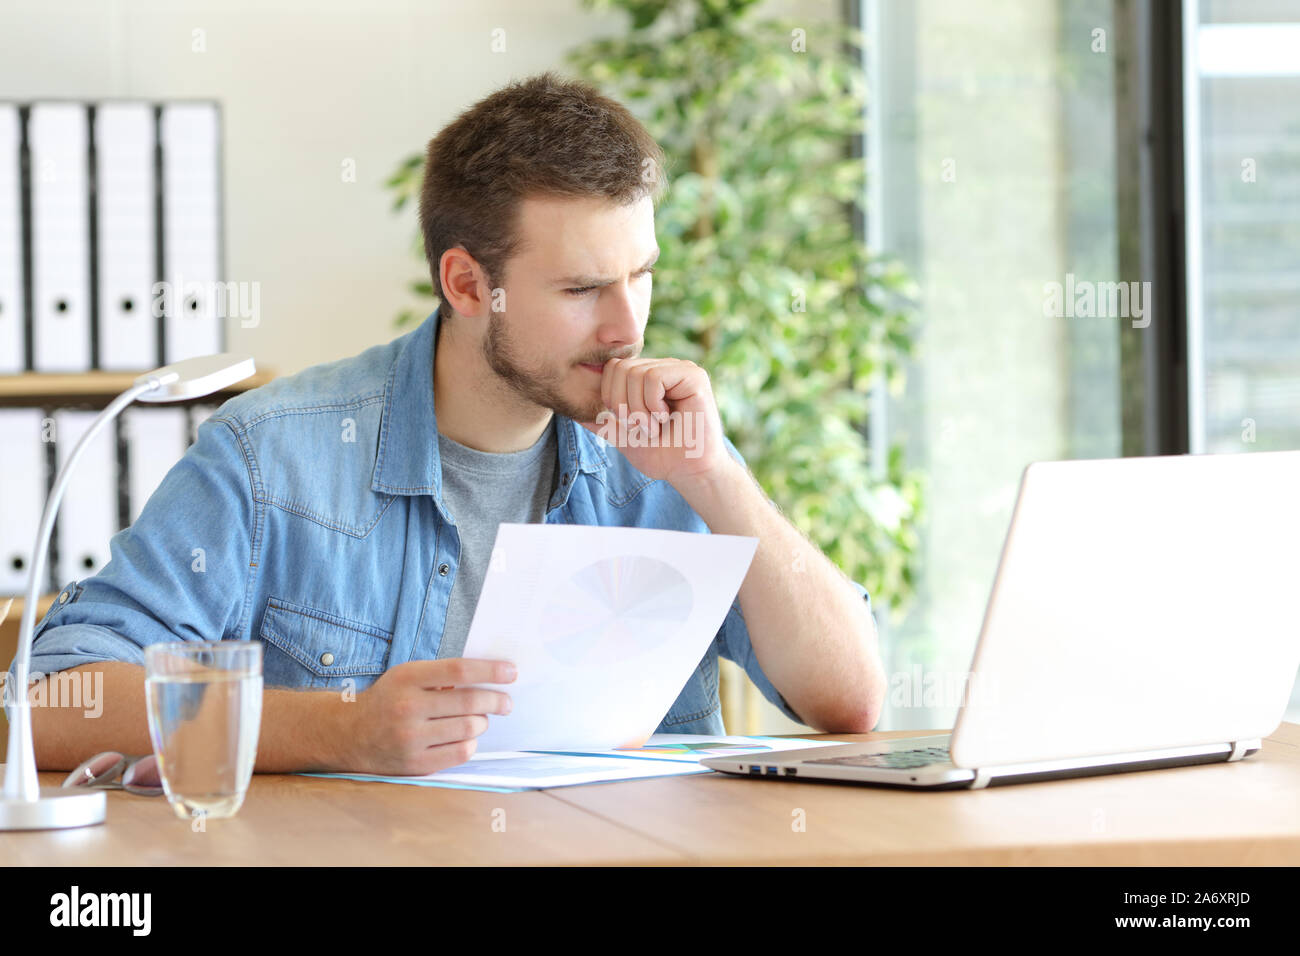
736 647
177 574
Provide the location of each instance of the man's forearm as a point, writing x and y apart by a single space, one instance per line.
300 731
810 630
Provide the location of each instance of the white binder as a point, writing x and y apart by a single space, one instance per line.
57 136
13 330
88 515
156 439
124 153
191 199
22 495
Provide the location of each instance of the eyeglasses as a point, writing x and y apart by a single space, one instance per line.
113 771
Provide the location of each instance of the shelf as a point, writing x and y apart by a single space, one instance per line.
53 387
15 614
10 622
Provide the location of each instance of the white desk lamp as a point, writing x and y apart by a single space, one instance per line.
24 803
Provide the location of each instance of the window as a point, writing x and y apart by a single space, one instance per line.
992 142
1013 146
1241 69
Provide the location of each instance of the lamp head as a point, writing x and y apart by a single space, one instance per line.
195 377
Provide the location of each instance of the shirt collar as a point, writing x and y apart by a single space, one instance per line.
407 462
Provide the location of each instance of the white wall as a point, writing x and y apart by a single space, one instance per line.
303 86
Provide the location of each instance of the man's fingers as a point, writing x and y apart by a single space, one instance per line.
448 730
455 672
637 413
656 393
442 757
607 384
682 381
636 393
466 700
617 385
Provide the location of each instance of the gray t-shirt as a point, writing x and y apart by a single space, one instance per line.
482 490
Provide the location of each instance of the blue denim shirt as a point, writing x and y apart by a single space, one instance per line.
308 514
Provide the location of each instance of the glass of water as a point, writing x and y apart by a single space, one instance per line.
205 713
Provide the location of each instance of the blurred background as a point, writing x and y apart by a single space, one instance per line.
868 202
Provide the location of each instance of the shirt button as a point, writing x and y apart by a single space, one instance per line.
443 569
63 597
327 658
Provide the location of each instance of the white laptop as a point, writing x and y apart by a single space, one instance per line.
1143 616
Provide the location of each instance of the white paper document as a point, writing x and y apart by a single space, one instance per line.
663 755
604 625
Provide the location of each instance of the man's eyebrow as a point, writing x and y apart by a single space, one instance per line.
582 282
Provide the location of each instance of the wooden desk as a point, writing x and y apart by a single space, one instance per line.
1220 814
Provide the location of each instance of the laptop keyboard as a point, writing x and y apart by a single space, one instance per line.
897 760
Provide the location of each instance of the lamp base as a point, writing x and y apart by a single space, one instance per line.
57 809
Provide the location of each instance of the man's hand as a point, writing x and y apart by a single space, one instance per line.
661 414
419 717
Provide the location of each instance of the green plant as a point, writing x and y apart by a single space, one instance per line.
761 279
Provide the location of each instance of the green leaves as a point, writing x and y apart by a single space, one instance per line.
405 180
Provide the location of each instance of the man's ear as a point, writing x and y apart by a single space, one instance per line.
464 285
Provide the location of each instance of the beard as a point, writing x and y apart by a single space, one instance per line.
540 385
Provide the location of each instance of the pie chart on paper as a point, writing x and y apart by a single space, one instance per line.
614 609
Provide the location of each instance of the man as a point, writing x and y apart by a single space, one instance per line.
344 515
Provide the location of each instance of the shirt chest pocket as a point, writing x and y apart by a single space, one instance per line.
306 647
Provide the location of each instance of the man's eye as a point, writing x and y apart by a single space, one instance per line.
584 290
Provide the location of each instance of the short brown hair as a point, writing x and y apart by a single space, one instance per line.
539 136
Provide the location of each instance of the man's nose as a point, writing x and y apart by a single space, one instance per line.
621 323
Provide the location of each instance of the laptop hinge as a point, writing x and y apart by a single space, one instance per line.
1239 748
982 778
